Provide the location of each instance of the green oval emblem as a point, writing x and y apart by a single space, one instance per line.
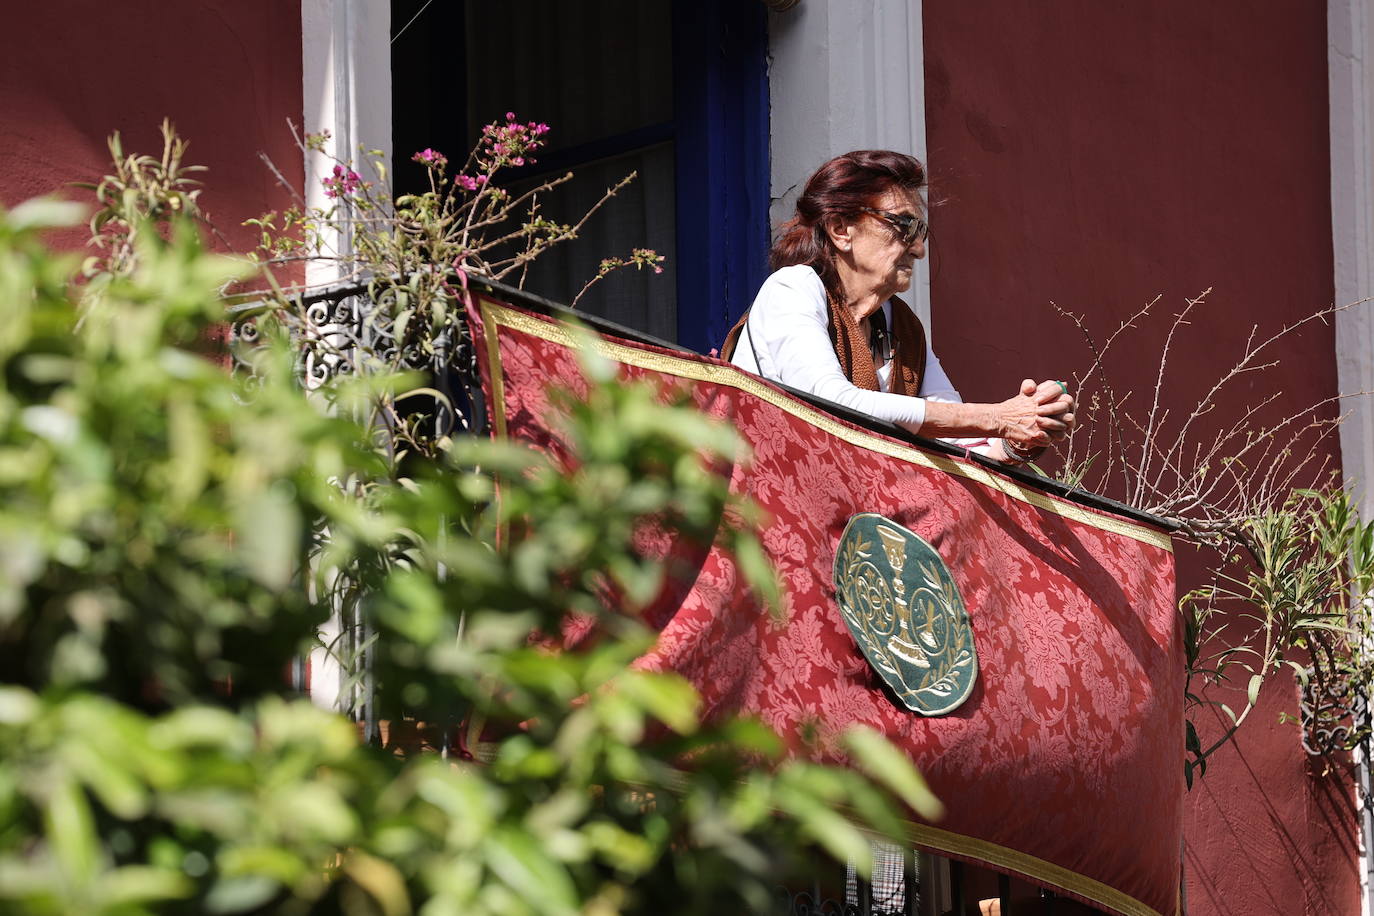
905 612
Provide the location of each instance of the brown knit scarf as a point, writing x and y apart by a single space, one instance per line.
851 348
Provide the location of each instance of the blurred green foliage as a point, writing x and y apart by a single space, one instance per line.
170 537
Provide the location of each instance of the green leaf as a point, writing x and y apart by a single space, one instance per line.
758 572
314 811
519 861
1191 742
17 706
240 894
136 885
46 213
71 831
627 852
382 881
269 527
840 838
273 862
668 697
202 726
189 452
885 762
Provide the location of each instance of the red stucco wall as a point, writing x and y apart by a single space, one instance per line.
227 72
1097 154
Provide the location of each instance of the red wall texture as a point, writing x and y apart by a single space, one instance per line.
1095 155
227 72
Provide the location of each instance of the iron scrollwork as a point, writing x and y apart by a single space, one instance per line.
1335 711
344 329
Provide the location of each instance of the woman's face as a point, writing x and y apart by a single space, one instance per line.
872 248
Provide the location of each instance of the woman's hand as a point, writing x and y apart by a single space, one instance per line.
1030 421
1061 422
1035 416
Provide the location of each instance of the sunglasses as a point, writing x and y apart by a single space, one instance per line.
909 228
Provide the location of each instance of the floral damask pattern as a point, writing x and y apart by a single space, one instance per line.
1070 747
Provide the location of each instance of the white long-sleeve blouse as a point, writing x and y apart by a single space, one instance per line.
787 339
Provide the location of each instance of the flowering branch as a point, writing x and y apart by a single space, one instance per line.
639 259
412 249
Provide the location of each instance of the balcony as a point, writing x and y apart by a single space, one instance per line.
1059 762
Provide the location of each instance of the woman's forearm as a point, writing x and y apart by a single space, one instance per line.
1024 420
944 420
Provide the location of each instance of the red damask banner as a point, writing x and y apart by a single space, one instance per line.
1064 765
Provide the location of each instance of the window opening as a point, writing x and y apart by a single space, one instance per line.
600 73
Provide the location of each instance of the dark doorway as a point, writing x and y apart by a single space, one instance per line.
674 91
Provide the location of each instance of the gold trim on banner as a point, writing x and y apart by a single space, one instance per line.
937 840
498 401
498 385
494 313
933 839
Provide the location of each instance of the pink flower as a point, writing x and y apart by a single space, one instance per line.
342 182
510 143
469 182
431 158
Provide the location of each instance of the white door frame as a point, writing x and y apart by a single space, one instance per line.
1350 70
844 75
346 83
346 56
1350 75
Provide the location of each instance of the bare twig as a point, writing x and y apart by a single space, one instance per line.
1282 554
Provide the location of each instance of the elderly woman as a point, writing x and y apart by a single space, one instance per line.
827 321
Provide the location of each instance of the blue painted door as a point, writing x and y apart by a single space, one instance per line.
721 95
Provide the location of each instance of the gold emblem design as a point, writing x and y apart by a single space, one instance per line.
904 610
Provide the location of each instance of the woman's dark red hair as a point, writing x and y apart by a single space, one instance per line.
840 188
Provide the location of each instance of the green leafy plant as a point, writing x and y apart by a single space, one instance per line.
170 534
142 192
1298 597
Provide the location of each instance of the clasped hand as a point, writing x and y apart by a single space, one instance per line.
1038 415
